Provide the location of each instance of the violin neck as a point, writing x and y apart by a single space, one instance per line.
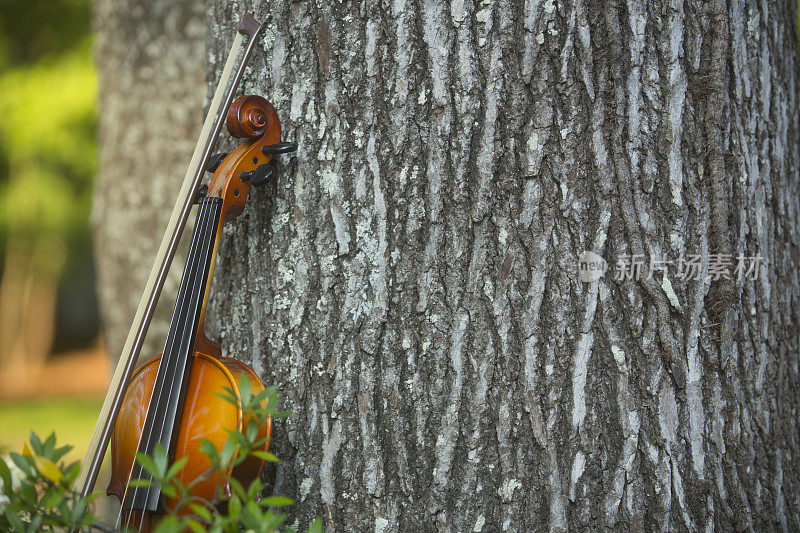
170 386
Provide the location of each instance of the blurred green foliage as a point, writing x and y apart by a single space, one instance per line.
33 29
47 132
48 95
48 144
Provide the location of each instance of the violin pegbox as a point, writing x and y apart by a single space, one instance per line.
252 118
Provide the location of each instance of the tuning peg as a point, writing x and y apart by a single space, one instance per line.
279 148
214 161
201 193
259 176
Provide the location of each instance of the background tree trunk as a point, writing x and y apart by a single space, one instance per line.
410 281
151 59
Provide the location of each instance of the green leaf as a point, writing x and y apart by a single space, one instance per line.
93 496
70 473
229 396
252 430
236 488
49 446
252 519
60 452
175 468
259 443
195 526
169 524
16 522
240 438
35 524
141 483
161 459
169 491
266 456
88 518
28 491
200 510
56 169
147 463
36 443
316 526
228 450
64 509
273 520
209 450
77 511
261 397
5 477
52 498
277 501
25 464
272 392
245 389
234 506
255 488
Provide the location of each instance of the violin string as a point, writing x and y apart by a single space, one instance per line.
177 364
168 356
183 324
193 308
181 296
142 435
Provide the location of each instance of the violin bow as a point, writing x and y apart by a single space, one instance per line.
90 466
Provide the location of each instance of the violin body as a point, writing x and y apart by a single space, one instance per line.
204 416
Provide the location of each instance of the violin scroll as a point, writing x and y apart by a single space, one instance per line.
250 116
253 118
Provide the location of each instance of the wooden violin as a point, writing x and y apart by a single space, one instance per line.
172 398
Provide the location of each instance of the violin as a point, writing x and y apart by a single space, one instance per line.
172 398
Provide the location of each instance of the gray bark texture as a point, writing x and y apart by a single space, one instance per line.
151 63
410 280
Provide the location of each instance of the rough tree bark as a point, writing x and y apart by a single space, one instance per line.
151 59
410 281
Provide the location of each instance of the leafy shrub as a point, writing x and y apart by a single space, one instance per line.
36 486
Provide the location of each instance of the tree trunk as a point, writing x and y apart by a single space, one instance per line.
410 282
150 58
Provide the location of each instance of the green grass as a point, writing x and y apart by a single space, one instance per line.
72 419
